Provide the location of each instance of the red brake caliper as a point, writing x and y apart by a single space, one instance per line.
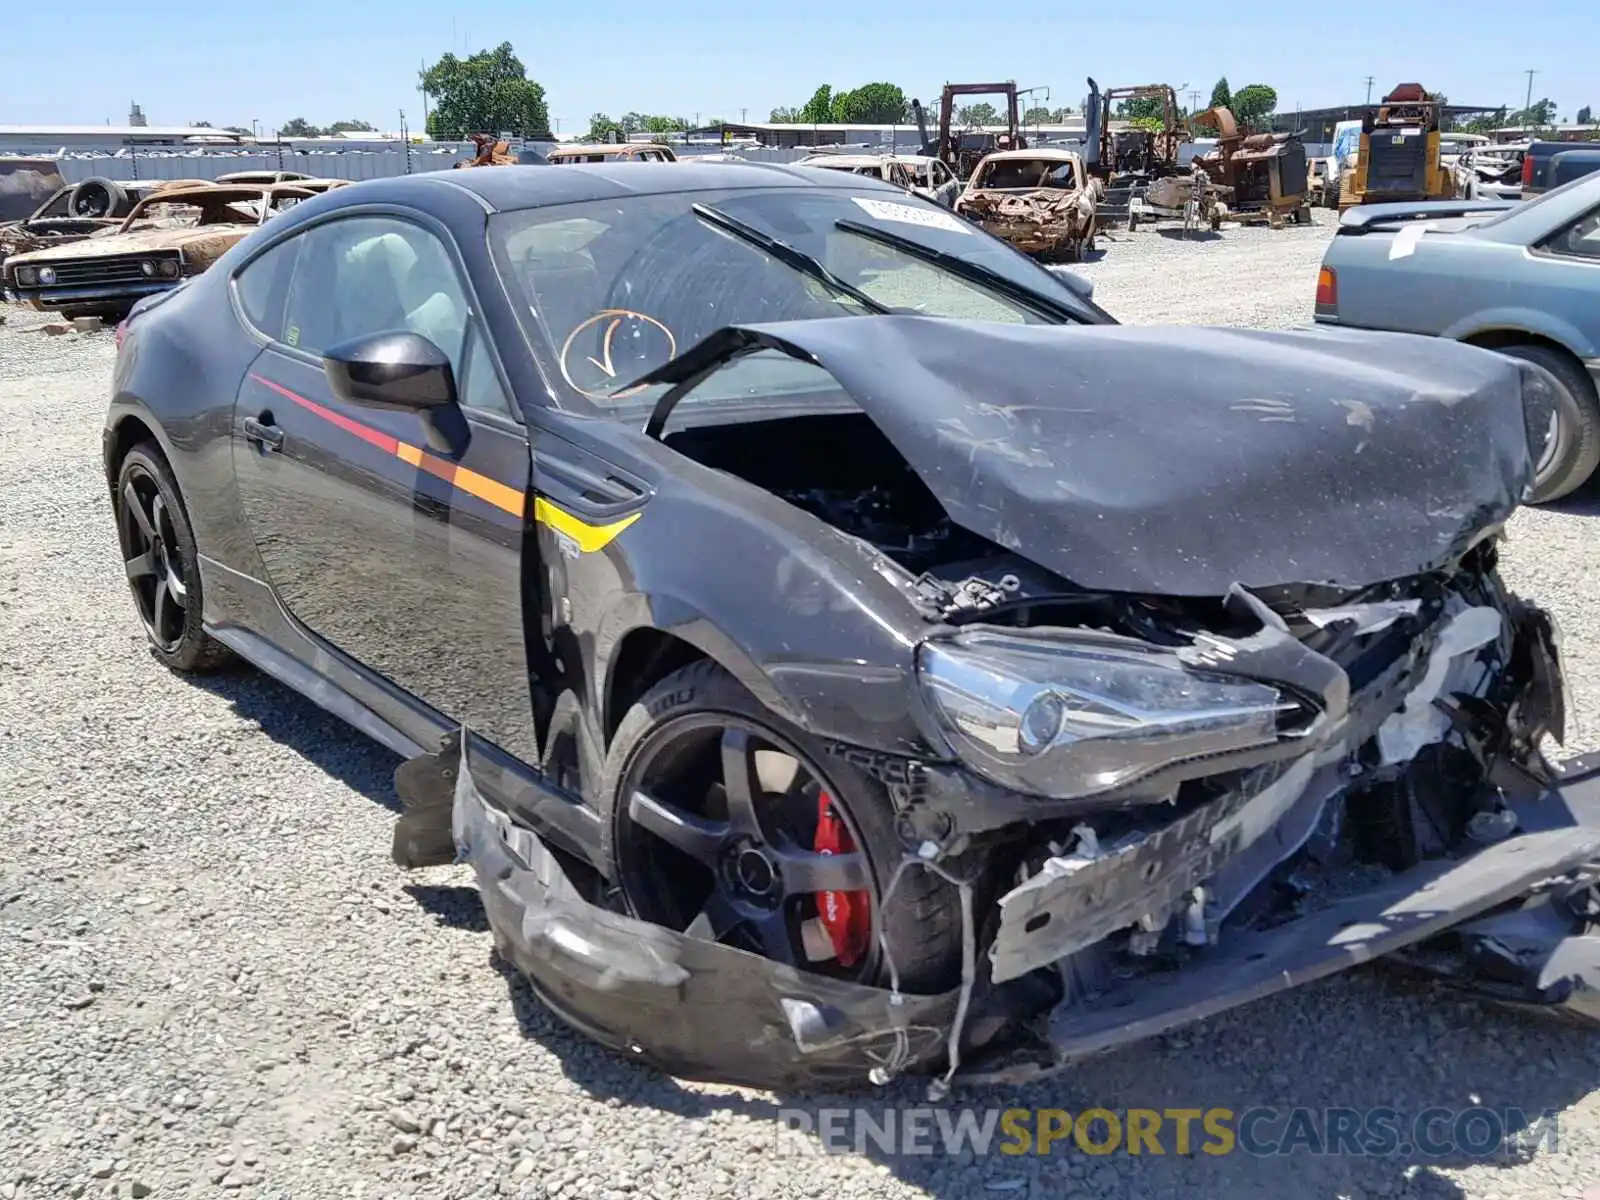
847 916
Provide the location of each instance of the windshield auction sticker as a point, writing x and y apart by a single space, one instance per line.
886 210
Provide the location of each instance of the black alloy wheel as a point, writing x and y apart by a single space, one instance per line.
718 838
159 557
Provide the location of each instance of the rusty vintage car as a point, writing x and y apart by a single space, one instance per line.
170 235
1042 201
77 210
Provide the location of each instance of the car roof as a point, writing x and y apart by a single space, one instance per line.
1042 154
605 148
509 188
227 193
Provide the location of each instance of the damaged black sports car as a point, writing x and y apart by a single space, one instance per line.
839 647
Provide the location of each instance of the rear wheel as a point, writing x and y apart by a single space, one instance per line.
162 563
726 824
1569 433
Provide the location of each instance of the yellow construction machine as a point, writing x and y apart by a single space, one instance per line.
1398 159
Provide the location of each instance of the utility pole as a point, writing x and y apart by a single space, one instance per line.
1369 89
1528 103
1194 100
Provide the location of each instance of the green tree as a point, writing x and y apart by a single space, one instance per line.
715 121
819 109
240 129
1221 97
981 113
1585 116
486 93
1540 114
1254 102
1142 109
199 124
785 116
601 127
352 127
298 127
1038 116
661 124
871 104
1484 122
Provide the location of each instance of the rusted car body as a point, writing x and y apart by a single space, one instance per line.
1261 176
1041 201
612 152
70 214
927 176
170 235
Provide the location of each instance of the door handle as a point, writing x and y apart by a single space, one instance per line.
268 437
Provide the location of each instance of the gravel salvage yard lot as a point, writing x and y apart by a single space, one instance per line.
213 981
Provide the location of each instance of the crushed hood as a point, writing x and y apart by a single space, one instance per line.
1183 460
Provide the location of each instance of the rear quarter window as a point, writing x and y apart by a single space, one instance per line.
262 285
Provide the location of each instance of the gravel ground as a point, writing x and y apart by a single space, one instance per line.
212 980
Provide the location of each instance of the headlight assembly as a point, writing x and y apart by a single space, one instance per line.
1076 715
47 275
27 276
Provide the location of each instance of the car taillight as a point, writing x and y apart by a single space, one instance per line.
1327 288
1527 170
122 332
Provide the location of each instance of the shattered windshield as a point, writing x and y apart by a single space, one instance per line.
610 290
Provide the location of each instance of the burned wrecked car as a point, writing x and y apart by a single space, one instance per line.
839 648
1041 201
169 236
76 210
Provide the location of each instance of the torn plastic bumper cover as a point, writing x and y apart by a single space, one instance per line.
1516 921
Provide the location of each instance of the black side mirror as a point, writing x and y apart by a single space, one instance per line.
400 371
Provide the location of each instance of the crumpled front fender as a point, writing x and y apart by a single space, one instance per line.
690 1007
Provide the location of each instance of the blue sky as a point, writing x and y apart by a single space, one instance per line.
332 61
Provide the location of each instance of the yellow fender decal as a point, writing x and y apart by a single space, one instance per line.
588 538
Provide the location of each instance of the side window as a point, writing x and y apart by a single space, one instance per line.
366 275
261 286
1581 239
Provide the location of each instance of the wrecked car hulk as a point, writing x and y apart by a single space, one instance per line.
1040 201
167 238
839 648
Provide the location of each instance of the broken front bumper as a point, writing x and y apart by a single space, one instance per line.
52 298
703 1011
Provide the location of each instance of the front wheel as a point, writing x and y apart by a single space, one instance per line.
726 824
162 562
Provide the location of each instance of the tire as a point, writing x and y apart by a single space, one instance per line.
1577 424
98 197
154 563
700 704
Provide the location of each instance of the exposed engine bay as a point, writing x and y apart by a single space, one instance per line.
1449 693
